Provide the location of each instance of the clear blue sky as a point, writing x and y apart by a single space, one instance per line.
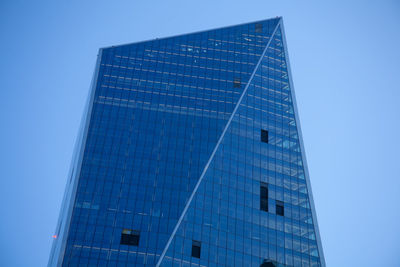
345 62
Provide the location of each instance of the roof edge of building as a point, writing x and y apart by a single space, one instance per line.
182 34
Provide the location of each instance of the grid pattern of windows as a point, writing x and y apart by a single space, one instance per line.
159 109
225 213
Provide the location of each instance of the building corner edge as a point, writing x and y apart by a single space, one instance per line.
305 165
62 229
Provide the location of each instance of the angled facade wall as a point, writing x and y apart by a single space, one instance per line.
191 155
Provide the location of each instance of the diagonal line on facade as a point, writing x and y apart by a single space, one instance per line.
303 155
215 149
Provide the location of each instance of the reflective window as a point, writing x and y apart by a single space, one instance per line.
236 82
258 27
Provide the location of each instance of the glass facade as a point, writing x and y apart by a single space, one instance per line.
190 154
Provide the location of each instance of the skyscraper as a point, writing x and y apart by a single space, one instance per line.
190 154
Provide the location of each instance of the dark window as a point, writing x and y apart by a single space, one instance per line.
196 247
264 136
236 83
130 237
259 27
279 208
264 197
268 263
